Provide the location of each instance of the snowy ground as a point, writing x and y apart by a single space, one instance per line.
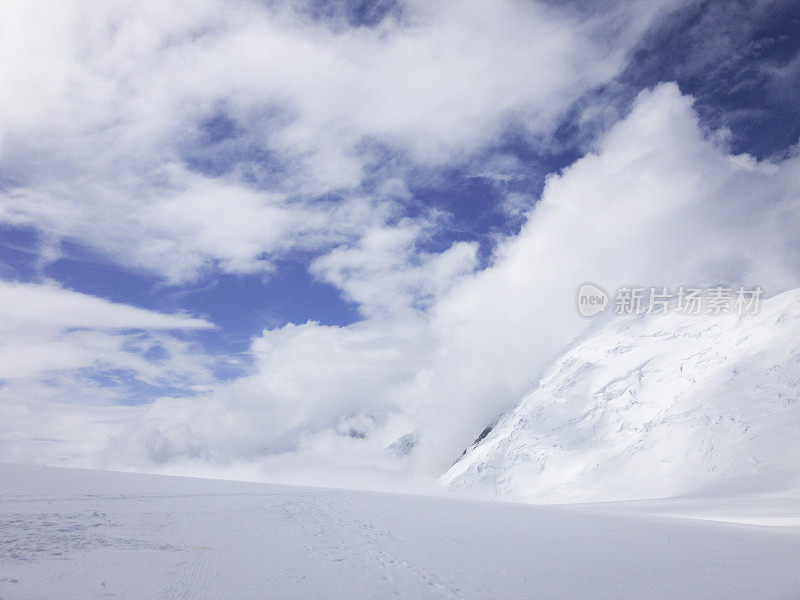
68 533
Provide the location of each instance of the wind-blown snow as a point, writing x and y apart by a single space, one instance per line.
653 406
68 533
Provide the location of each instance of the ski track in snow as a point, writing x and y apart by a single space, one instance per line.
338 535
67 533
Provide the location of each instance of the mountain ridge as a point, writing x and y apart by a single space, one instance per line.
651 406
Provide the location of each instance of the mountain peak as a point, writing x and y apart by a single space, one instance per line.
651 406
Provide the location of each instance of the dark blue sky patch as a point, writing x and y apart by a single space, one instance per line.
131 390
472 201
19 253
732 56
467 201
340 14
217 128
241 305
244 305
474 196
221 145
539 158
81 269
147 348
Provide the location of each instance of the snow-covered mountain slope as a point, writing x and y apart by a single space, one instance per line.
67 533
654 406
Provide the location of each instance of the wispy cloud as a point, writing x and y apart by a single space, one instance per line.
199 136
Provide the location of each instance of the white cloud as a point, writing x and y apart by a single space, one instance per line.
105 111
315 388
66 358
385 273
35 306
105 106
47 328
656 204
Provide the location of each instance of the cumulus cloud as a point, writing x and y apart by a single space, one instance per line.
385 273
319 398
655 204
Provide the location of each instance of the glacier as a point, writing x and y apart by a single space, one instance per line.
665 447
70 533
653 406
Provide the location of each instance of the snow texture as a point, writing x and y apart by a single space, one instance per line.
653 406
68 533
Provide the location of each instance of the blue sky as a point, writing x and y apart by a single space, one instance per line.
673 49
363 166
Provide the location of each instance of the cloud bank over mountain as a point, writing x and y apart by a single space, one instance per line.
184 144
